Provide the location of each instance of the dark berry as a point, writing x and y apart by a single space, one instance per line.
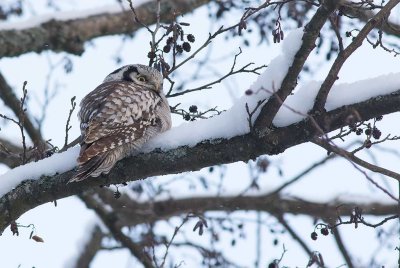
379 118
186 117
151 55
170 40
167 48
359 131
314 236
248 92
273 265
179 48
14 228
193 109
368 144
324 231
117 195
376 133
190 38
348 34
368 131
186 46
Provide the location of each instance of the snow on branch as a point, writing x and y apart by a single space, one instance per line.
233 122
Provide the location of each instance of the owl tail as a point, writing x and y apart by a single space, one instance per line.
88 168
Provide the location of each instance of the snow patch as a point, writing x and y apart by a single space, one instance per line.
57 163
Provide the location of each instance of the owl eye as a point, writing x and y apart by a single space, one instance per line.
141 78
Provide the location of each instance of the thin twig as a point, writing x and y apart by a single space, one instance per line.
67 126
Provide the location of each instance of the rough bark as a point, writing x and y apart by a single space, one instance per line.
71 35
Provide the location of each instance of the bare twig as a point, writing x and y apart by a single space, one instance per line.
231 72
67 126
172 239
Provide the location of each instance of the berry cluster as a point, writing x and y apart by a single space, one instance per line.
371 131
179 47
323 229
189 116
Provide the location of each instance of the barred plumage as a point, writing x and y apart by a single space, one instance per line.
119 116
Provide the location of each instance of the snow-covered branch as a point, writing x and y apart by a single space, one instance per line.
32 193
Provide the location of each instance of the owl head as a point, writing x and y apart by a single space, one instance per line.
138 74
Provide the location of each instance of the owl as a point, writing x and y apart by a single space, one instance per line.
119 116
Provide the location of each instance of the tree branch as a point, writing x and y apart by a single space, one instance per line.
30 194
111 221
342 247
70 35
90 249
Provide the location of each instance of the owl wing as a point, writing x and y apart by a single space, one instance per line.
117 113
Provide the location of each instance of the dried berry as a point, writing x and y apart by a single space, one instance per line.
186 117
348 34
37 239
368 144
167 48
193 109
170 40
379 118
273 265
263 164
117 194
179 48
151 55
324 231
248 92
186 46
376 133
314 236
368 131
14 228
190 38
359 131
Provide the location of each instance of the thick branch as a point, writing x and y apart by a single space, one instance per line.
130 212
211 152
9 153
70 35
110 220
90 249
